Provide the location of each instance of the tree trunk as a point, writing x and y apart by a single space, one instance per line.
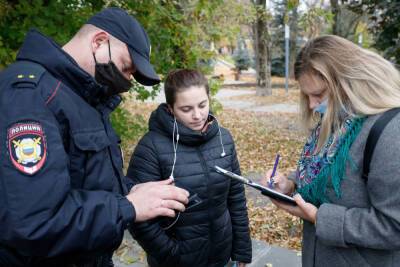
293 22
255 49
237 74
263 50
345 21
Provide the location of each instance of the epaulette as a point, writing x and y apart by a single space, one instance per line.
28 76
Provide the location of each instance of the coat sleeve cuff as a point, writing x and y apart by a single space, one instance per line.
244 254
127 211
330 224
246 260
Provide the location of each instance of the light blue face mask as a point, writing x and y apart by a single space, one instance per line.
321 108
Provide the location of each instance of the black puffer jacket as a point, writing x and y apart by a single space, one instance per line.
210 233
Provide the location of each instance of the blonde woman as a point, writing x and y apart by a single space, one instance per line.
348 220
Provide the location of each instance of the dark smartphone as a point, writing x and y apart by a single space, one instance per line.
194 200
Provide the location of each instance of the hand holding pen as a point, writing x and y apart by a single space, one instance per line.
271 179
277 181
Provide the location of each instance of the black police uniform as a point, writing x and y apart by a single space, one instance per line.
61 180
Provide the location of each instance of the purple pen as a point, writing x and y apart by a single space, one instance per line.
271 179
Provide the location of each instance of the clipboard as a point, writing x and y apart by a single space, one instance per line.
264 190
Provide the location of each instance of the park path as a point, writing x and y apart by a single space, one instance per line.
264 255
229 90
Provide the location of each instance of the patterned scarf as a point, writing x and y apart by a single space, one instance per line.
314 169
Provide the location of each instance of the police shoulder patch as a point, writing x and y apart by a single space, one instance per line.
27 146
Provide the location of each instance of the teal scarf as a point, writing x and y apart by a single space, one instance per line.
314 169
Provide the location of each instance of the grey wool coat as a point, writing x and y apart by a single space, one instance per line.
362 228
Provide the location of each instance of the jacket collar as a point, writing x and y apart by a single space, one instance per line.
43 50
162 121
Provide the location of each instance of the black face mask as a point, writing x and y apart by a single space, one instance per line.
108 75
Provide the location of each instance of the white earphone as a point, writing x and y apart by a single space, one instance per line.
220 135
175 145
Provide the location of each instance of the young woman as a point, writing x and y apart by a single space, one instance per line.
348 220
185 141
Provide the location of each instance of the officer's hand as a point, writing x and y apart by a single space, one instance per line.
154 199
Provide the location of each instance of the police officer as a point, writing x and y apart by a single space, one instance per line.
64 200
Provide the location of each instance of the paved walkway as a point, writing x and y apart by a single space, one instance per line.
264 255
224 95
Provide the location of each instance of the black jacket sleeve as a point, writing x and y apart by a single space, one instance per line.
241 246
41 214
144 167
